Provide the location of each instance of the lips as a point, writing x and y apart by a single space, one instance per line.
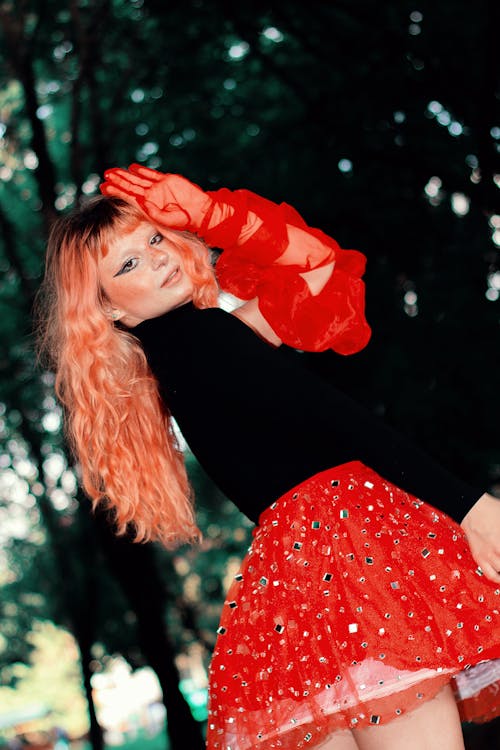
172 277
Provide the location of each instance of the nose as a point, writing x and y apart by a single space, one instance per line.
159 257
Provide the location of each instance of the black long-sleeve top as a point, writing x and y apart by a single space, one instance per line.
259 422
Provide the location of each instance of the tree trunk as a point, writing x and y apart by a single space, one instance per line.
135 568
79 606
19 46
95 733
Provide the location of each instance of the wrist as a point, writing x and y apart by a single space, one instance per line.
485 502
225 216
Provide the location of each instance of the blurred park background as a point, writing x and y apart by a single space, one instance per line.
379 122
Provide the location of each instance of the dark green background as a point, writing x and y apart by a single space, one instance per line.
202 88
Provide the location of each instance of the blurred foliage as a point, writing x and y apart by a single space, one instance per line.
377 121
51 676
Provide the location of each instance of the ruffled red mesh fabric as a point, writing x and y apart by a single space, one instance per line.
334 318
263 247
355 603
477 692
226 232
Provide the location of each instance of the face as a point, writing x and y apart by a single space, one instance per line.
143 276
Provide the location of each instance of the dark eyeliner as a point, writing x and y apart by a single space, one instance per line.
123 269
152 242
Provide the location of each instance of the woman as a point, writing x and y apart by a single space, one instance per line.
358 603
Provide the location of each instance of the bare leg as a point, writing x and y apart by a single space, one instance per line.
435 725
341 740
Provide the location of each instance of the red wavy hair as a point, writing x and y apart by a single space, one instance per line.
117 425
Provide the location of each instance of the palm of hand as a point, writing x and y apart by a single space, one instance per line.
168 200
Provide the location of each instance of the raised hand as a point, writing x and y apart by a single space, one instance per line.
168 200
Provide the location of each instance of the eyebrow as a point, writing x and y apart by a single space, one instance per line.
128 249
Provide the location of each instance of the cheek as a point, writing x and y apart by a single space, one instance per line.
125 293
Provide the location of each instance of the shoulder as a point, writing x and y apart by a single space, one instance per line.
232 332
211 351
187 330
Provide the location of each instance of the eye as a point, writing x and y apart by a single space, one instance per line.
129 265
156 239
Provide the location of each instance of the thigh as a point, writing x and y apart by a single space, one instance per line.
435 725
341 740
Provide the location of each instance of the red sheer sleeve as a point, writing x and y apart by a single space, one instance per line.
334 318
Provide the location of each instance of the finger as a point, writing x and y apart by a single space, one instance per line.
484 566
106 188
484 551
117 175
116 172
494 559
490 573
119 190
135 191
122 177
146 172
109 189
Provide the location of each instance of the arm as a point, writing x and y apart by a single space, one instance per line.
251 315
319 258
481 524
222 218
309 289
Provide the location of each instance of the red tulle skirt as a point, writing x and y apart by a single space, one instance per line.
355 603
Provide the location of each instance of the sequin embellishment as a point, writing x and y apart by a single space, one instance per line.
339 614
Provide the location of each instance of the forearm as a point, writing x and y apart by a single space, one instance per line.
303 251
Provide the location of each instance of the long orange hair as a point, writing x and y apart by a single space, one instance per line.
117 425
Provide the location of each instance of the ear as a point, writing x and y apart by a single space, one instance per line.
114 313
